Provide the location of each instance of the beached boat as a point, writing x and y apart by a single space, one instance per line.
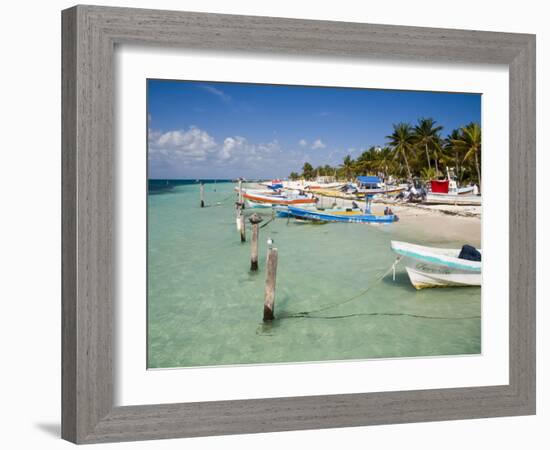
333 193
275 184
319 183
345 216
271 199
449 187
447 192
372 185
439 267
441 199
366 187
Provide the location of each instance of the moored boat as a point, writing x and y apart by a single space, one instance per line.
439 267
311 185
262 205
258 197
333 193
345 216
373 185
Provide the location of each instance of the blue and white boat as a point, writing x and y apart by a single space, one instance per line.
345 216
439 267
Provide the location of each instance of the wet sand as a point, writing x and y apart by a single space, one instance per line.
445 223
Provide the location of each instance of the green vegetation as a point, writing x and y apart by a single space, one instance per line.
412 151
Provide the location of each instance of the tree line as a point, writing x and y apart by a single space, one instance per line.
412 151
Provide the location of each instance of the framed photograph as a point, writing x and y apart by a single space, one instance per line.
278 224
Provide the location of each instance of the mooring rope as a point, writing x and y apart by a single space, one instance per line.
268 222
220 203
345 316
335 304
311 314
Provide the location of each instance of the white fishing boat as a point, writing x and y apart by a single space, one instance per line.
447 192
255 196
449 187
465 200
319 183
373 185
439 267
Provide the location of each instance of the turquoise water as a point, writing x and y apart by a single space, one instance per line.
205 307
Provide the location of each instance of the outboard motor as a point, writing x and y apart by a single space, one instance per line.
470 253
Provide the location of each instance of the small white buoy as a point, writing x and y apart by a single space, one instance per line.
269 242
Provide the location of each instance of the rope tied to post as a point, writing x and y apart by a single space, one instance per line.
313 313
304 314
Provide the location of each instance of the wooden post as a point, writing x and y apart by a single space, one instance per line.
254 248
202 195
255 220
241 225
241 193
270 281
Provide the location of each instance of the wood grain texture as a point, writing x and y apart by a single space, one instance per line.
89 36
68 226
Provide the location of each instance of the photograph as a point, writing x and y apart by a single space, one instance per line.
310 224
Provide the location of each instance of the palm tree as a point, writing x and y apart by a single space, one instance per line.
426 135
348 167
469 143
427 173
384 160
294 176
366 161
402 142
307 171
452 150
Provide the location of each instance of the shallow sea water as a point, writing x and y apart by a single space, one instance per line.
205 307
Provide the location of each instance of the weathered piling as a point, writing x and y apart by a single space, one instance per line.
255 220
241 225
241 202
202 195
270 281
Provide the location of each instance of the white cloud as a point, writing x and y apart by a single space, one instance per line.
302 142
317 144
232 145
191 144
215 91
182 151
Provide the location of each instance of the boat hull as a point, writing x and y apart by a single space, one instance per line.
277 200
382 191
344 217
424 275
261 205
453 199
432 267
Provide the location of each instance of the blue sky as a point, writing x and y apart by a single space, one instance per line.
227 130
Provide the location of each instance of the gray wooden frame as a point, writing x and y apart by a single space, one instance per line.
89 37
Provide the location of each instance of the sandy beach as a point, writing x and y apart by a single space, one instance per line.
450 222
